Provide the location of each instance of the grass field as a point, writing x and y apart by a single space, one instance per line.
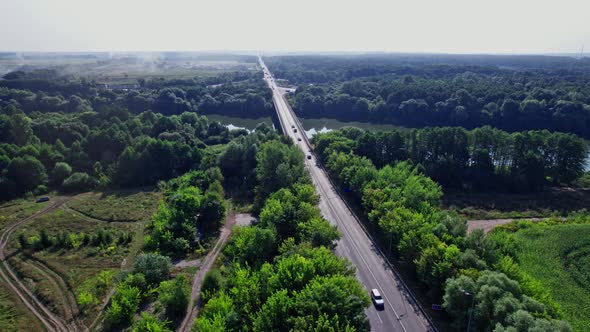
559 257
53 272
120 205
13 211
13 315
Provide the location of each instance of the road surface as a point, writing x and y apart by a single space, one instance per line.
400 313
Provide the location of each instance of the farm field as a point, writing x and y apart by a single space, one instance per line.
559 257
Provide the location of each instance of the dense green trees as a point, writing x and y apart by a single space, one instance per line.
404 204
112 137
512 93
185 214
481 159
281 274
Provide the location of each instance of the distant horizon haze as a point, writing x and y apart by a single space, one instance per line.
306 26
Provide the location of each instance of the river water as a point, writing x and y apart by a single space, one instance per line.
312 126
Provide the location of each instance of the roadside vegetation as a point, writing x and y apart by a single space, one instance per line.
281 273
404 205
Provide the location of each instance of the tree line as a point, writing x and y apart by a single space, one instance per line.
236 93
454 268
480 159
505 93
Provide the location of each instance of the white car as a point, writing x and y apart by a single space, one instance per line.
377 299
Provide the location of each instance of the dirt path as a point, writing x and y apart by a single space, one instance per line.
489 224
47 318
195 301
69 299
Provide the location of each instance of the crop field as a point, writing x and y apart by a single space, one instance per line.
559 257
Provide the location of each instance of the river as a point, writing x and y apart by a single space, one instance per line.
312 126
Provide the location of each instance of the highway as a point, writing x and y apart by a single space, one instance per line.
399 314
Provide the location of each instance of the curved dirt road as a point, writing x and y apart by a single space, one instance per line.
45 316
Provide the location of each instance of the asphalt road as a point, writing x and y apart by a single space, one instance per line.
399 314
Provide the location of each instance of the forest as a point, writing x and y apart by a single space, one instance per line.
513 93
482 159
74 135
404 205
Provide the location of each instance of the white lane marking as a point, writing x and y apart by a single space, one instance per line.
353 244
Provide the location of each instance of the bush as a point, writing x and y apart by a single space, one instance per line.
124 305
211 284
174 295
149 323
154 267
79 181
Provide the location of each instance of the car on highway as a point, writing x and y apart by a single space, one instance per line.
292 126
309 156
377 299
42 199
295 130
299 139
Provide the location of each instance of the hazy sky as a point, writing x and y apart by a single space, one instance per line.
453 26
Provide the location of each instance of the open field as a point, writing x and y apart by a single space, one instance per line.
13 315
128 68
479 206
105 236
559 257
117 205
13 211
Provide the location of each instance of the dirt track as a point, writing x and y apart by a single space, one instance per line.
8 276
47 318
488 225
194 303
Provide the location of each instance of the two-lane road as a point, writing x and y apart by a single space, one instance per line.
400 314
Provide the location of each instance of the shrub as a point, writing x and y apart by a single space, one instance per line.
79 181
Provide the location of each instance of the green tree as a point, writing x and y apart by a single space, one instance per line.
27 173
149 323
124 304
154 267
174 295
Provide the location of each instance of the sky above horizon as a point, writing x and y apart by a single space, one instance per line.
445 26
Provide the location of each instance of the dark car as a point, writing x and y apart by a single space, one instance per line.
309 156
42 199
299 139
